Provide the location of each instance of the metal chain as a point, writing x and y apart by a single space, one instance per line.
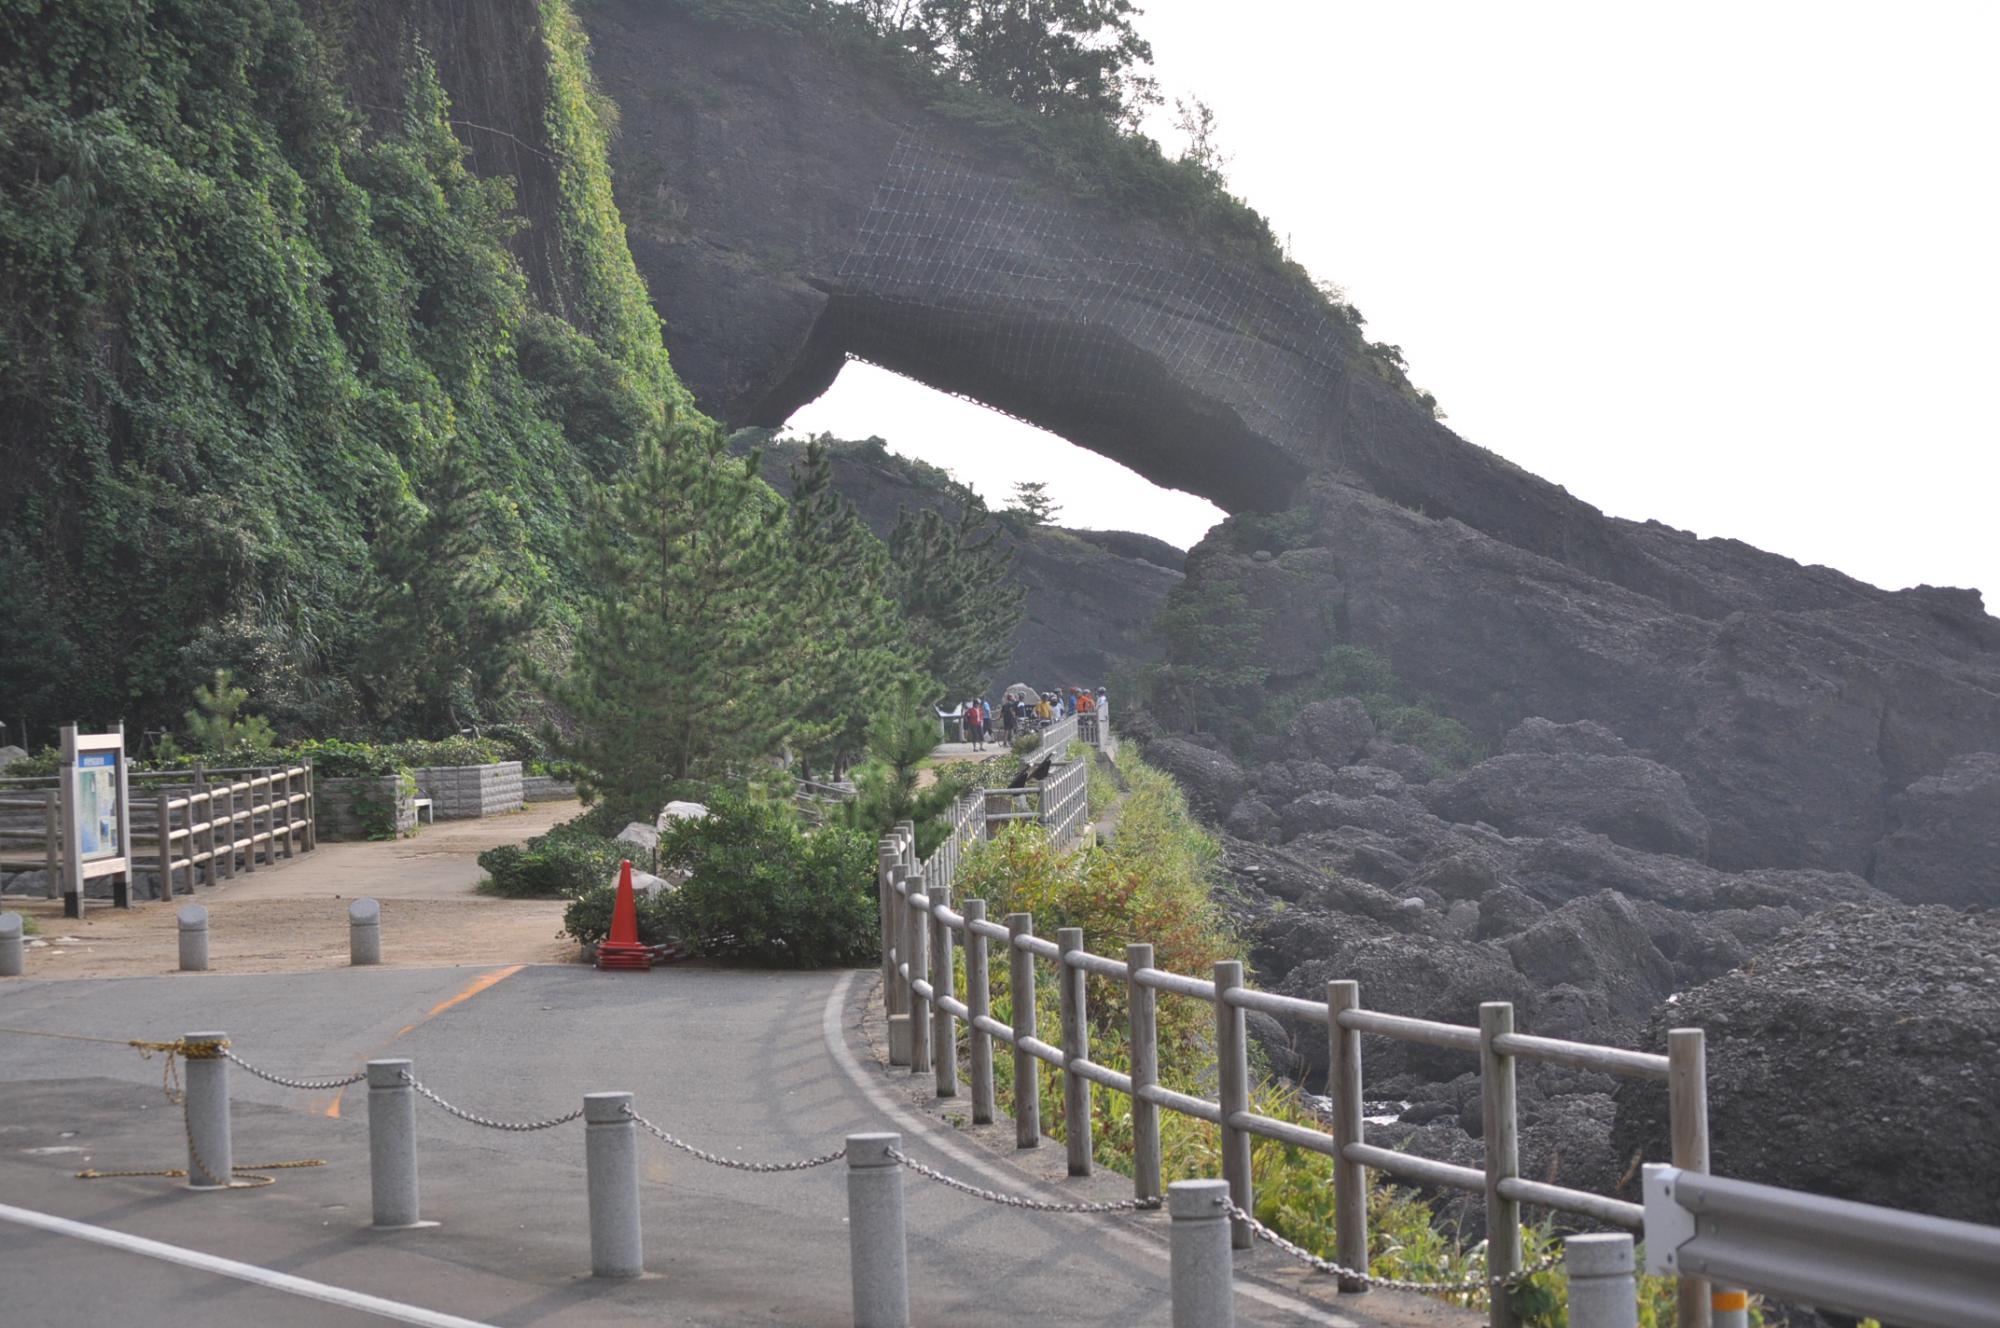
308 1085
1021 1201
519 1127
714 1159
1304 1255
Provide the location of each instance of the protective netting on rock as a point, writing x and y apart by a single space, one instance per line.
1012 283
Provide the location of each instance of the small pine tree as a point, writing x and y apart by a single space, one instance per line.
217 723
900 739
1032 504
677 682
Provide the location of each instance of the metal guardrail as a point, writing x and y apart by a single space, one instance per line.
1832 1254
920 928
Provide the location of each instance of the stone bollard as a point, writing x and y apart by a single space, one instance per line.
1602 1292
878 1253
193 919
211 1161
1199 1261
364 932
392 1144
1728 1308
611 1172
13 949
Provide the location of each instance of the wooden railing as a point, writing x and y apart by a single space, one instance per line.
920 992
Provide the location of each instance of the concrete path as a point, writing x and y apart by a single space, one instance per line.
751 1065
293 915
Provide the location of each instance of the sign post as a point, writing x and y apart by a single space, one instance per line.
97 817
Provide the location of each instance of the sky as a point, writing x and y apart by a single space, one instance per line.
1734 267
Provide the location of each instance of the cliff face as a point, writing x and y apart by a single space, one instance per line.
791 205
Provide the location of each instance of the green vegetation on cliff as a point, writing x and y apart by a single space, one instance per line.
279 400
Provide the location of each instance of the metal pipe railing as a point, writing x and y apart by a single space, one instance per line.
917 922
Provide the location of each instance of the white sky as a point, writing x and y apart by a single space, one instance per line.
1734 266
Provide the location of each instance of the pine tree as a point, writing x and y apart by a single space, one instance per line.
217 724
848 649
950 579
677 683
1032 504
455 617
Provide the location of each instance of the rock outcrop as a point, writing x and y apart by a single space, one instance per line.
1944 847
1861 1058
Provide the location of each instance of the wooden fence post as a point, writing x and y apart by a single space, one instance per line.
1503 1156
1021 993
1143 1016
1350 1179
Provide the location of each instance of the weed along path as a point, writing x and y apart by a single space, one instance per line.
293 917
748 1066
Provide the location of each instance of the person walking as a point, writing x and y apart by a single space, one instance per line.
975 723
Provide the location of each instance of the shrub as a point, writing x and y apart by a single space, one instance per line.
588 917
570 860
760 891
518 742
448 751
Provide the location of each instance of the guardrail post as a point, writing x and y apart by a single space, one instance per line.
211 1163
1232 1054
944 1030
1350 1179
392 1144
1199 1264
13 949
193 925
1503 1155
978 1003
917 931
225 821
1687 1115
1076 1047
878 1250
899 927
164 887
1142 1010
364 932
1602 1289
885 889
611 1175
213 865
52 831
1021 994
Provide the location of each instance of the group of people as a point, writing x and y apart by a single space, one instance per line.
1017 715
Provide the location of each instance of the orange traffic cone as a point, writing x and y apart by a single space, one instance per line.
622 948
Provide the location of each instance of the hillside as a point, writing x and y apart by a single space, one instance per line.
1092 596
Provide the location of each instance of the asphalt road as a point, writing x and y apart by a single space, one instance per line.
751 1065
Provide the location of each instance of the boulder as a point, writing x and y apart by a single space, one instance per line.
1415 765
1508 911
680 811
1636 802
640 835
1253 820
1945 844
1586 737
1599 943
1213 782
1335 731
1858 1057
10 754
1458 870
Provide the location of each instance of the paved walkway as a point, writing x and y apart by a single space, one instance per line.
750 1065
293 915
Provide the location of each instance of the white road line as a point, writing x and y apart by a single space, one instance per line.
242 1272
921 1126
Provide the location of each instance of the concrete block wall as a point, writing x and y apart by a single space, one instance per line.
461 792
545 788
335 812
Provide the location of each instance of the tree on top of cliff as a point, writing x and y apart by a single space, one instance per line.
1048 55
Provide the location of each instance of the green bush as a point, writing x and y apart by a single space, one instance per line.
569 861
760 891
588 917
418 752
518 742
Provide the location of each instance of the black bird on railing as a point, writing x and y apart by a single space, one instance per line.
1040 772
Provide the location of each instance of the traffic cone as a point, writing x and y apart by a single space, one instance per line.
622 948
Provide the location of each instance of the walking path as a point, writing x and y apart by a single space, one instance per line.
293 916
751 1065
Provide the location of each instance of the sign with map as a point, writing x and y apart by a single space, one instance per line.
97 806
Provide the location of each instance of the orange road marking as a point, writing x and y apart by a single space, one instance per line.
477 985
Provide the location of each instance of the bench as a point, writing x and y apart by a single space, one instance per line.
426 811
